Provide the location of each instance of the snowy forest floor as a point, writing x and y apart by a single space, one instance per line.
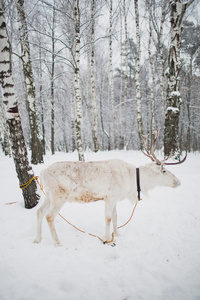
157 255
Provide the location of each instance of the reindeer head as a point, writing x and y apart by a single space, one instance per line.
165 177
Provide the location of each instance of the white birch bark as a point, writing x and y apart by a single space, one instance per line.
137 75
152 74
102 88
41 97
52 82
36 145
94 105
161 55
18 146
72 80
121 141
77 82
4 139
126 50
111 75
123 92
160 44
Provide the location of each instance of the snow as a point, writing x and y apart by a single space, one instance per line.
175 110
175 94
157 255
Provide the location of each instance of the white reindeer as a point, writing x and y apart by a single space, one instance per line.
110 181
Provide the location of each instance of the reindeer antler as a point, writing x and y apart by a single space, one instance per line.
145 148
178 162
153 147
152 155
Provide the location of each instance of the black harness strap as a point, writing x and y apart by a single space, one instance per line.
138 182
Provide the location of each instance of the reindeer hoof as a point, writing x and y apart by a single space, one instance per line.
58 244
37 241
109 239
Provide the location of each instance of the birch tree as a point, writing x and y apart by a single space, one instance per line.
111 73
36 144
18 146
137 75
94 129
77 81
52 71
123 91
158 27
152 73
173 97
4 138
41 96
72 79
121 141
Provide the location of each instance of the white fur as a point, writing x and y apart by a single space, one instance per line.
111 181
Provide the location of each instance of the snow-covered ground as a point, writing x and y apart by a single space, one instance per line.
157 255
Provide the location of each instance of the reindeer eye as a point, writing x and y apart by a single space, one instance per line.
164 171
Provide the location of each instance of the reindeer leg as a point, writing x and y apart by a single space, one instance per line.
108 217
50 217
110 214
114 220
40 214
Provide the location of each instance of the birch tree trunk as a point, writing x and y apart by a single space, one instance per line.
111 75
94 129
137 75
41 98
72 79
171 129
161 55
102 88
126 51
52 82
36 144
152 74
121 141
123 92
188 101
160 47
18 146
77 82
5 138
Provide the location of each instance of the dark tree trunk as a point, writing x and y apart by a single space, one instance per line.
18 146
36 144
171 130
22 166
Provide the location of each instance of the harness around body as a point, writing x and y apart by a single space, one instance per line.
25 185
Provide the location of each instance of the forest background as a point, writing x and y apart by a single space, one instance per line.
99 73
